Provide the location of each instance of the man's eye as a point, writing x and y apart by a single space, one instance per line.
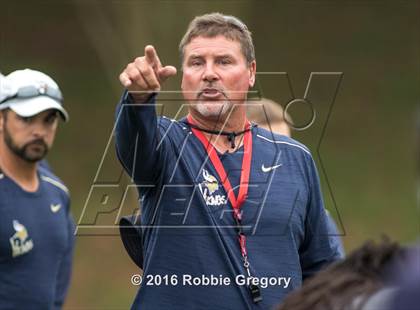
225 61
26 119
196 63
51 119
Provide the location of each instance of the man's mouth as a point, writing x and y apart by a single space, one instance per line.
210 93
37 145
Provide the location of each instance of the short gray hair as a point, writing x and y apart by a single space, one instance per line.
214 24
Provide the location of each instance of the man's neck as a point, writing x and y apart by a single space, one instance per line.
22 172
235 123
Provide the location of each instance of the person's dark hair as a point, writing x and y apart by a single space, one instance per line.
360 275
214 24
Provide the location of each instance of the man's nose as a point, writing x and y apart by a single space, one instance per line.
210 74
39 130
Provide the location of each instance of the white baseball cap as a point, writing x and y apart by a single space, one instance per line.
29 92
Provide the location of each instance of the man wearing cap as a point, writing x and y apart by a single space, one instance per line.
36 227
225 205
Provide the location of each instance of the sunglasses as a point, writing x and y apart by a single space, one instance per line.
35 91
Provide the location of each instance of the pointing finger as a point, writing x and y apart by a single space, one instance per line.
149 76
152 57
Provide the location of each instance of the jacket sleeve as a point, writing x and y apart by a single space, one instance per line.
334 236
65 266
318 248
138 144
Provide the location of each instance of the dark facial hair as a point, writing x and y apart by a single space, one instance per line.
22 151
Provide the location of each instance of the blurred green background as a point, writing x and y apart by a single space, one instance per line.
365 152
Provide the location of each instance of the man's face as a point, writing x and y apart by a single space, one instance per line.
29 138
216 75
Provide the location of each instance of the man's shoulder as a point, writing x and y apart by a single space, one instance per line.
173 128
52 181
166 122
271 139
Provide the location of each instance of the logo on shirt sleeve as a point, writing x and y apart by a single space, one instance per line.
208 189
20 241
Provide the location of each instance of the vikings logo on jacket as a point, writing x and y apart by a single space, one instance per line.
20 241
208 187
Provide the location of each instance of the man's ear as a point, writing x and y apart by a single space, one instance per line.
252 73
1 121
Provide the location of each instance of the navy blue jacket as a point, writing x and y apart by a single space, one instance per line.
189 231
36 243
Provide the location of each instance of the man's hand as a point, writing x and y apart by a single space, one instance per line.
145 75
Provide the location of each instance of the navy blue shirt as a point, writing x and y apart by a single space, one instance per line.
36 243
189 231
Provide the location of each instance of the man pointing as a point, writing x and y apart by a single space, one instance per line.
220 197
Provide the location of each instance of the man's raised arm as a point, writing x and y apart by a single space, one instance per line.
137 134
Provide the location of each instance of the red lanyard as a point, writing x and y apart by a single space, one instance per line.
236 202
